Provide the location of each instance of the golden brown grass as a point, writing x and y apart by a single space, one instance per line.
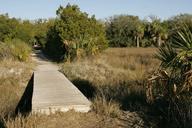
69 119
14 76
113 65
118 75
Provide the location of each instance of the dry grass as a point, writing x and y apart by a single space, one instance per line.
117 74
113 65
69 119
108 109
14 76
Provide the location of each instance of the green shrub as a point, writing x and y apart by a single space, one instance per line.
15 49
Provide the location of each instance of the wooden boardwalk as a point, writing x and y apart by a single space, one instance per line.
52 91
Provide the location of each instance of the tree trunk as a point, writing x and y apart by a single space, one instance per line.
137 40
159 41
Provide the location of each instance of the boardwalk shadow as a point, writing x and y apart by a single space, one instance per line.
24 106
85 87
131 97
42 56
39 54
2 125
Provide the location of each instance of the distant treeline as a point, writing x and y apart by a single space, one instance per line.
75 34
130 31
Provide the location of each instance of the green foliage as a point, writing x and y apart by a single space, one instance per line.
25 31
167 54
126 31
15 49
123 30
177 53
72 25
183 39
175 86
11 28
177 23
41 28
158 31
31 32
7 27
74 34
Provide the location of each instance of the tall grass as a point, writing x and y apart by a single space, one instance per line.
14 76
70 119
13 79
117 74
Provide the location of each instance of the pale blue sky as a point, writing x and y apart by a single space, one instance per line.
34 9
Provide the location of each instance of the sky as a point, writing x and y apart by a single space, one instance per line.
35 9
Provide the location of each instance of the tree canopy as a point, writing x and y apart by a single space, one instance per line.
124 30
74 34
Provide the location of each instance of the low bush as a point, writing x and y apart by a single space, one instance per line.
14 49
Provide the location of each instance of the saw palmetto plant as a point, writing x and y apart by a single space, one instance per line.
173 81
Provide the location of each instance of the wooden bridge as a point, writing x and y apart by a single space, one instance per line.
52 91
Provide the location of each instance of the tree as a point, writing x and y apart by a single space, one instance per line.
124 30
41 28
139 32
176 24
158 31
75 33
25 31
7 27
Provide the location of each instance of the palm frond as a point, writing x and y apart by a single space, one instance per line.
183 39
167 55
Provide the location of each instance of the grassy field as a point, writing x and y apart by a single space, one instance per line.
113 80
116 75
